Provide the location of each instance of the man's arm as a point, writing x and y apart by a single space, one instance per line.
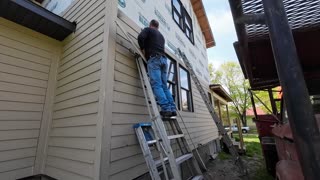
142 37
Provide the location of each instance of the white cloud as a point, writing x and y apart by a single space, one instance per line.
216 63
221 22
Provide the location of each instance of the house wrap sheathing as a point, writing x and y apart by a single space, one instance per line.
67 107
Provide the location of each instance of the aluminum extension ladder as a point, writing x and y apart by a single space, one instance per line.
154 134
238 161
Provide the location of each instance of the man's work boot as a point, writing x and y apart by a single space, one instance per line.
166 114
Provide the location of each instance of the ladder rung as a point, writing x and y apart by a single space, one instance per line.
199 177
169 137
179 160
169 119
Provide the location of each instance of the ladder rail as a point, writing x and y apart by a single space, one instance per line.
216 119
158 146
144 90
159 124
148 156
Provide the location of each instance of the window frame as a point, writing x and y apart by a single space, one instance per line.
189 91
174 82
187 15
182 17
174 10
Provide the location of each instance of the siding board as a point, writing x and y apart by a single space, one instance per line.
17 174
63 174
17 164
23 55
23 63
17 144
18 79
73 143
18 97
17 154
10 87
83 169
86 89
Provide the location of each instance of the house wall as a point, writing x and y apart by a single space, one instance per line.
129 108
27 71
73 150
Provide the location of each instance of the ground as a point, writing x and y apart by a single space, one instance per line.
223 167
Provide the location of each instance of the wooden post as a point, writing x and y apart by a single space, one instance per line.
219 109
273 103
228 116
240 134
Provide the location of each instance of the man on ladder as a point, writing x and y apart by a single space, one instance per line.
151 42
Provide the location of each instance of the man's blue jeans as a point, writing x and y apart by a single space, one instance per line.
157 69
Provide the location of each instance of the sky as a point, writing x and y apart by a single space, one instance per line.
220 18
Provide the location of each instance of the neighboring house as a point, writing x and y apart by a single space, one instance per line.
69 95
220 98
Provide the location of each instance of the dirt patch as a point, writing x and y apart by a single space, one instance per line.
225 169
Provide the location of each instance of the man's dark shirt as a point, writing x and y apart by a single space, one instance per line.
151 41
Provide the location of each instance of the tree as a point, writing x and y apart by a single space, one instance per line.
230 76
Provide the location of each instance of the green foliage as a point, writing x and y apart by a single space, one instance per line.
254 152
224 156
265 103
230 75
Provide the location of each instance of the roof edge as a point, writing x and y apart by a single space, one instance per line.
202 17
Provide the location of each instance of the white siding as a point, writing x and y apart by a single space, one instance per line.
72 148
129 108
25 61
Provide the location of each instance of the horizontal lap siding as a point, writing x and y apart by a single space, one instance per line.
129 107
25 62
203 128
72 139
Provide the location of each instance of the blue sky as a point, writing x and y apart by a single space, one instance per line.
221 22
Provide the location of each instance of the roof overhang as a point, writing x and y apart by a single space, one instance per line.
219 90
200 12
37 18
254 49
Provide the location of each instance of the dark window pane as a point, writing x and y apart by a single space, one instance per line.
210 97
184 79
185 100
171 70
177 6
188 21
188 33
176 17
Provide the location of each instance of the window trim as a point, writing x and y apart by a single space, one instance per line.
175 80
191 107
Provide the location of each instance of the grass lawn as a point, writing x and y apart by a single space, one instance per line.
254 153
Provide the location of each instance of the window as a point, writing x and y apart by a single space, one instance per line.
188 27
185 90
177 12
183 19
172 80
